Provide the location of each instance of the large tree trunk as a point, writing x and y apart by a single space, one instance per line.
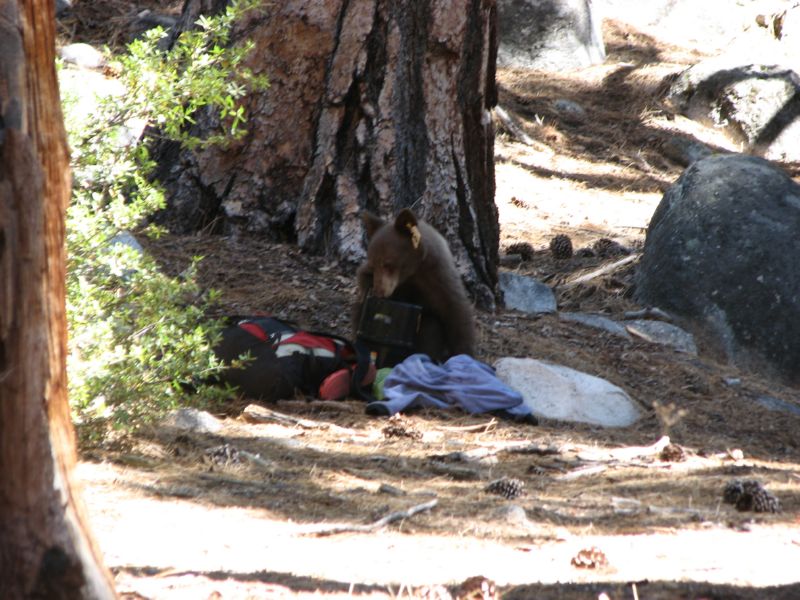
45 551
373 104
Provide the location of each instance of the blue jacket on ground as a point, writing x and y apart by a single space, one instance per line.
460 382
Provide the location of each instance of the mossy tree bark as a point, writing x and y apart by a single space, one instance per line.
45 549
373 104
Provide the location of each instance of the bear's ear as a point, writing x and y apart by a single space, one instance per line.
406 224
371 223
405 221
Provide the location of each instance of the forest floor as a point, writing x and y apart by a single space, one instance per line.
252 509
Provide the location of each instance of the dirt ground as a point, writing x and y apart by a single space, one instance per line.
286 501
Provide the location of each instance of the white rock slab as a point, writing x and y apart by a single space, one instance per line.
556 392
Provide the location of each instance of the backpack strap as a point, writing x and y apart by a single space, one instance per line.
363 360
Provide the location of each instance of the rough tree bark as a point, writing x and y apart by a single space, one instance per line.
373 104
45 550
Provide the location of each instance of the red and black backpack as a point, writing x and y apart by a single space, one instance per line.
281 360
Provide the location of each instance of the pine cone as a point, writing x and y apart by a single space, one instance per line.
222 455
749 494
524 249
400 427
736 488
477 588
507 488
606 248
764 501
673 453
589 558
561 246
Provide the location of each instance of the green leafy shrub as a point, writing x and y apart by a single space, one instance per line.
139 339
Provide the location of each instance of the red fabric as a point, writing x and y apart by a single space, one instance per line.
308 340
255 330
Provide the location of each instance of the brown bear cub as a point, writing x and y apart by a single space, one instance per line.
409 261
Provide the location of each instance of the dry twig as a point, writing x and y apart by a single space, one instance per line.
374 526
260 414
582 472
605 270
512 127
624 454
481 427
258 461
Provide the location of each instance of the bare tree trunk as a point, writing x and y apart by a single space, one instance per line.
45 550
373 104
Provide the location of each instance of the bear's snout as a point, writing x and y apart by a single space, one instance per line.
384 284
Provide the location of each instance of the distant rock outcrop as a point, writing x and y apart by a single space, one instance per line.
549 35
756 105
721 249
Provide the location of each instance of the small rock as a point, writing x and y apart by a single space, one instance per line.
570 111
191 419
597 322
659 332
126 239
82 55
513 514
62 7
526 294
685 151
778 405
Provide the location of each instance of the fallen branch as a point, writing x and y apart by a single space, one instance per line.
485 454
582 472
457 473
651 312
601 271
255 413
538 449
482 427
624 454
512 127
323 530
257 460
